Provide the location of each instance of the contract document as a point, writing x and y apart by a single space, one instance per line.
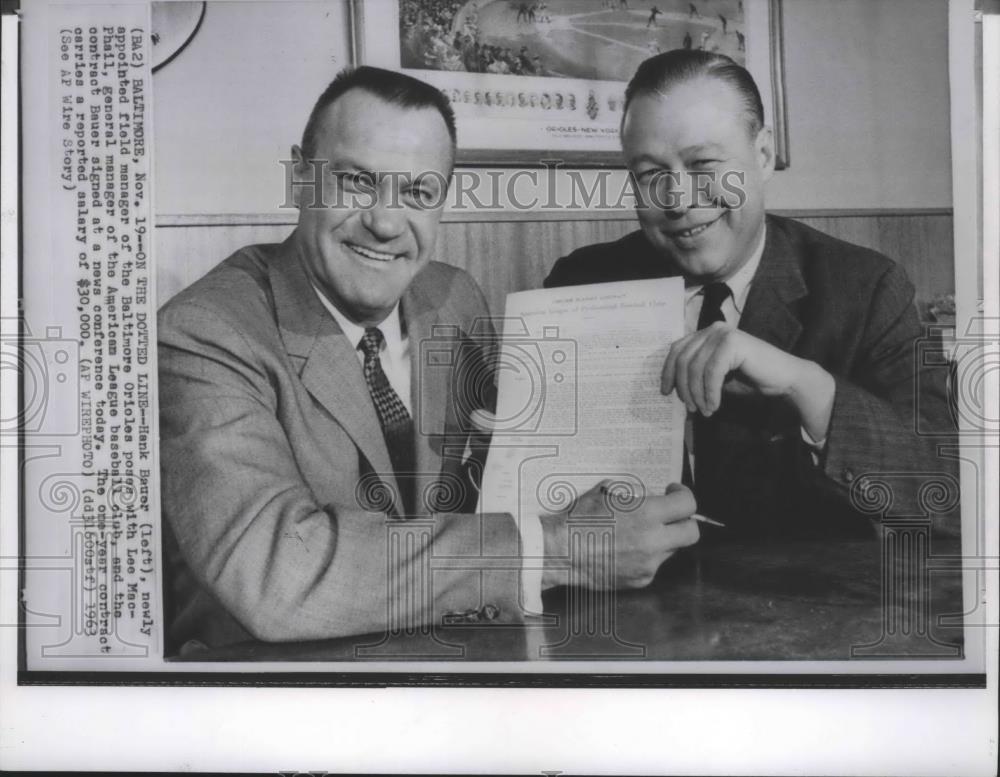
579 396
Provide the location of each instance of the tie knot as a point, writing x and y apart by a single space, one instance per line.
371 342
714 294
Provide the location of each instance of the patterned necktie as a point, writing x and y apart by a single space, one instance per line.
714 294
393 417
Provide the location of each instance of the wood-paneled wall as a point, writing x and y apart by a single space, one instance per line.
511 255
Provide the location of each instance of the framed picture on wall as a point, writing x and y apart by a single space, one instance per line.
534 80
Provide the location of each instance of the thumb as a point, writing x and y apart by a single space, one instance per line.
680 503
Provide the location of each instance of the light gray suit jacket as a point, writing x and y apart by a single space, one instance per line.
266 431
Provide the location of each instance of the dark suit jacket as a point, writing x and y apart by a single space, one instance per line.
850 310
268 435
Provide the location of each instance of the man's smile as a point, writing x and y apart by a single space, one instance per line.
687 236
690 232
370 253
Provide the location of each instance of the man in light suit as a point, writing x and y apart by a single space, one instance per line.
300 419
798 366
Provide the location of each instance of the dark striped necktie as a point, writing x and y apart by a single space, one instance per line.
393 417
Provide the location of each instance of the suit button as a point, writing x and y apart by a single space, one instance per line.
848 475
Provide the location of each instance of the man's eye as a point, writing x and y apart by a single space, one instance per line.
421 196
705 162
361 180
660 179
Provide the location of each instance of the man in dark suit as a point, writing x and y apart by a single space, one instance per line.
300 421
798 366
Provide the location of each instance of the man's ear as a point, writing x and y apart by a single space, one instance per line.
764 149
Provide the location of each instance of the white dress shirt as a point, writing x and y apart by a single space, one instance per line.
732 307
394 353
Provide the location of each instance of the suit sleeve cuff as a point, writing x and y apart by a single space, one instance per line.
815 446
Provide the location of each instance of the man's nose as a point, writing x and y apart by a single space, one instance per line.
385 219
677 196
668 193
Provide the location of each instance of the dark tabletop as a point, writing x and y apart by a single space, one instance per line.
828 600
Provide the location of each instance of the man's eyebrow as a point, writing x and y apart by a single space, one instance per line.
634 160
687 151
703 148
346 164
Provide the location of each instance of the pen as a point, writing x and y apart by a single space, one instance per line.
694 516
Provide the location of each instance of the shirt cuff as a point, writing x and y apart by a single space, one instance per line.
815 447
532 563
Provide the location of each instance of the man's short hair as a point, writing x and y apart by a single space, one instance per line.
388 85
660 72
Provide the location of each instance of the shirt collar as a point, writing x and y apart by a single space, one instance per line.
392 332
739 284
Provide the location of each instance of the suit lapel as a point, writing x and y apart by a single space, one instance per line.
327 363
770 311
429 387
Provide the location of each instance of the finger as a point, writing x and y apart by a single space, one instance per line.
678 505
681 378
592 502
696 371
668 377
603 485
681 370
605 496
715 372
604 490
670 367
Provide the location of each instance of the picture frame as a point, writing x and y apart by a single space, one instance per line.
520 119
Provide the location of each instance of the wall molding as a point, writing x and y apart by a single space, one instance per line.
512 254
479 217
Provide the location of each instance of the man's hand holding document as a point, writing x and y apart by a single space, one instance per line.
582 435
